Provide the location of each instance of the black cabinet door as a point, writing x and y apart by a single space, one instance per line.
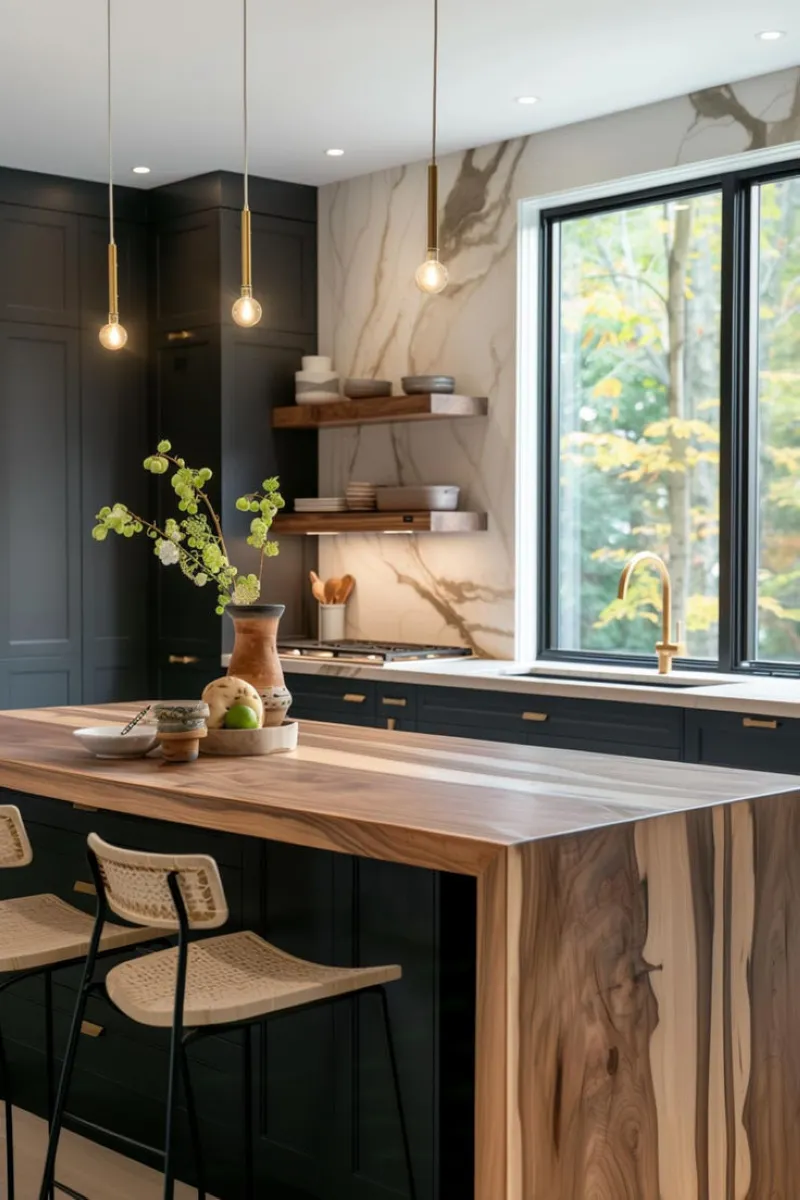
751 740
39 277
40 533
115 437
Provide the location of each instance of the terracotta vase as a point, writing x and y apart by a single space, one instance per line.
255 650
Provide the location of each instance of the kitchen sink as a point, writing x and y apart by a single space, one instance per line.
660 681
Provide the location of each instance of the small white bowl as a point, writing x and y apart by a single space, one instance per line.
106 741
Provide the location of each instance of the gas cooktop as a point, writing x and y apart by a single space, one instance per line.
368 652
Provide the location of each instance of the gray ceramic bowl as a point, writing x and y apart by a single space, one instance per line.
366 389
418 385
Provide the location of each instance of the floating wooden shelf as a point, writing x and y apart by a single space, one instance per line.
379 411
380 522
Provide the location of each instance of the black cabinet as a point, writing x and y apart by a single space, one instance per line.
73 429
327 1122
333 698
216 386
750 740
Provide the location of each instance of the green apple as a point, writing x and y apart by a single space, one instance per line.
241 716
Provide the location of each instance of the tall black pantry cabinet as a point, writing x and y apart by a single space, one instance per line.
73 427
216 384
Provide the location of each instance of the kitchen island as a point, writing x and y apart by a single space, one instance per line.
636 961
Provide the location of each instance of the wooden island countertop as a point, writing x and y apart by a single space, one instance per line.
637 956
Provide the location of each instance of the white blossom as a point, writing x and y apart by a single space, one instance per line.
201 579
169 553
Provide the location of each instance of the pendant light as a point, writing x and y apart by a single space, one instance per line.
246 310
113 336
432 275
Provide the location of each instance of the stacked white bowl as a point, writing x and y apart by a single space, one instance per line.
361 497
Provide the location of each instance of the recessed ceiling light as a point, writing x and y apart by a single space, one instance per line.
771 35
141 170
334 153
527 99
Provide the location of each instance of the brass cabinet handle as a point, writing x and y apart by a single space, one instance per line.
755 723
396 703
84 807
179 335
83 888
391 722
183 660
535 716
353 698
91 1030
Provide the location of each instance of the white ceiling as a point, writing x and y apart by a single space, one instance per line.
348 73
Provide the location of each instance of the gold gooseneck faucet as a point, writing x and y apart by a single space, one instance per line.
666 649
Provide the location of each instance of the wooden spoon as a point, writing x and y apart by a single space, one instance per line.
346 585
331 589
317 587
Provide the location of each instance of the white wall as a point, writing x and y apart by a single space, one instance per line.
374 322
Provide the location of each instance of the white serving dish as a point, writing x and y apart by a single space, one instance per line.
419 498
106 741
272 739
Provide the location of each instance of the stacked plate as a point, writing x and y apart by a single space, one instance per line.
319 504
361 497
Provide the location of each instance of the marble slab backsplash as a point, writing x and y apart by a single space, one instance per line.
374 322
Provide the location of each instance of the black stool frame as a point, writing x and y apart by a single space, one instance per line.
178 1069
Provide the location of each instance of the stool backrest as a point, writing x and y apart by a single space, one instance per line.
15 849
136 886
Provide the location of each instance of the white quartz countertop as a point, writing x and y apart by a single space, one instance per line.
762 695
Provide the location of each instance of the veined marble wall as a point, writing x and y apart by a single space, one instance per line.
374 322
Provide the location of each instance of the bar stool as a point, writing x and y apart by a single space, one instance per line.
211 986
37 935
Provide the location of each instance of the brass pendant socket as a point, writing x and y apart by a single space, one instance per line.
247 250
113 286
433 210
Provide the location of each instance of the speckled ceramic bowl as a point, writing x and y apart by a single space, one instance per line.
175 716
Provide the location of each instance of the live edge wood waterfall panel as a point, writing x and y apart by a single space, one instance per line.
638 1035
654 1015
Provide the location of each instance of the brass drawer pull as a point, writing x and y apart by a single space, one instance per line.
391 723
396 703
91 1030
84 807
755 723
535 716
179 335
183 660
353 698
84 889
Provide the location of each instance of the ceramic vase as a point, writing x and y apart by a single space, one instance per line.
317 383
255 654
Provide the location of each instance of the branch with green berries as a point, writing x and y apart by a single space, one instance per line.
195 542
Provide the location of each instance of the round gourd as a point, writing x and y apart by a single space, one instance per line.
224 693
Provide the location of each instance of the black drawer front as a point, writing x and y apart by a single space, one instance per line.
750 740
396 706
549 720
326 698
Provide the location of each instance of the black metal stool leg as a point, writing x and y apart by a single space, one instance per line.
194 1127
412 1191
50 1055
9 1121
61 1099
172 1103
249 1142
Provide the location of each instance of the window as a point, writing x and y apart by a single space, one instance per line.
671 421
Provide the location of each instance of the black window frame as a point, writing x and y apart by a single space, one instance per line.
738 441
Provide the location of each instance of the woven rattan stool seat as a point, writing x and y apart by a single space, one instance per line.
37 931
235 977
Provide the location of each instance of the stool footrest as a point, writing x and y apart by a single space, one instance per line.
81 1125
68 1191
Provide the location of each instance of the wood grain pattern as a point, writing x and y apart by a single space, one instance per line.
378 411
381 522
437 802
